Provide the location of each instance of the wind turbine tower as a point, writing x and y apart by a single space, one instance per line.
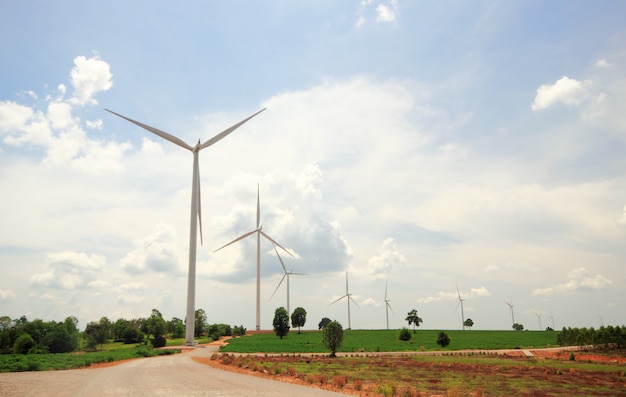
387 305
348 297
539 319
511 306
457 307
196 213
259 232
286 275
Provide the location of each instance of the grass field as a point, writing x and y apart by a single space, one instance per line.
387 341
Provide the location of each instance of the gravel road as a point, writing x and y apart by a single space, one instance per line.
174 375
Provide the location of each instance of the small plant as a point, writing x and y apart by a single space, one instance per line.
405 334
443 339
572 357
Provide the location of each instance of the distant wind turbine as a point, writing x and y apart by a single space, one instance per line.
348 297
286 275
196 213
511 306
457 307
539 318
387 305
259 232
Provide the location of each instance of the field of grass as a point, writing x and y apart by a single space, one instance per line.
387 341
46 362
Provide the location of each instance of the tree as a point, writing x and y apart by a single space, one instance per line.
298 318
59 340
96 335
281 322
518 327
157 327
443 339
469 323
200 322
23 344
323 323
414 319
332 337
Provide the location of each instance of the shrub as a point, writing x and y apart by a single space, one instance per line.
405 334
332 337
443 339
23 344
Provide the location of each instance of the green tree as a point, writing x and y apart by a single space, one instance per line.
323 323
200 323
298 318
332 337
414 319
469 323
95 334
59 340
23 344
443 339
518 327
176 327
281 322
157 327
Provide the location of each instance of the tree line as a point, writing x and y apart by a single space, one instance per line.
21 336
603 337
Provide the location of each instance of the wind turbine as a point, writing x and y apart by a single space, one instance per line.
286 275
539 318
348 297
457 307
196 213
259 232
511 306
387 305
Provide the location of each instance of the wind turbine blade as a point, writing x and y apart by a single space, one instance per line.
338 300
156 131
385 291
457 306
199 207
299 274
278 286
227 131
274 242
235 240
346 281
389 306
280 259
353 301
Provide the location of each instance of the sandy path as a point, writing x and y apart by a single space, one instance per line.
174 375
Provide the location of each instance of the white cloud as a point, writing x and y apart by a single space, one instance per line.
565 90
603 63
89 77
386 13
622 219
579 279
156 252
386 260
6 295
69 270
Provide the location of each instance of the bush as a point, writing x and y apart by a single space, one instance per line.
443 339
332 337
405 334
23 344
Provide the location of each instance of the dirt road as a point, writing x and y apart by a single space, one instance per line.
174 375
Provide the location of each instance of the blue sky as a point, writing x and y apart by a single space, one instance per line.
427 145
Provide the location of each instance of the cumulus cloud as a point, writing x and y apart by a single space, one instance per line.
565 90
386 12
156 252
6 295
454 295
382 11
579 279
69 270
56 129
387 258
89 77
603 63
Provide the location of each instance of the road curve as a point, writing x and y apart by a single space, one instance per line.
173 375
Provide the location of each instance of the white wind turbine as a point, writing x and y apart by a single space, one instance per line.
259 232
348 297
387 305
457 307
286 275
195 210
511 306
539 318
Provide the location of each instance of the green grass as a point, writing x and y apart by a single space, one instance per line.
387 340
46 362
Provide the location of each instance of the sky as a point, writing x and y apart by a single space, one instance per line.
436 149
